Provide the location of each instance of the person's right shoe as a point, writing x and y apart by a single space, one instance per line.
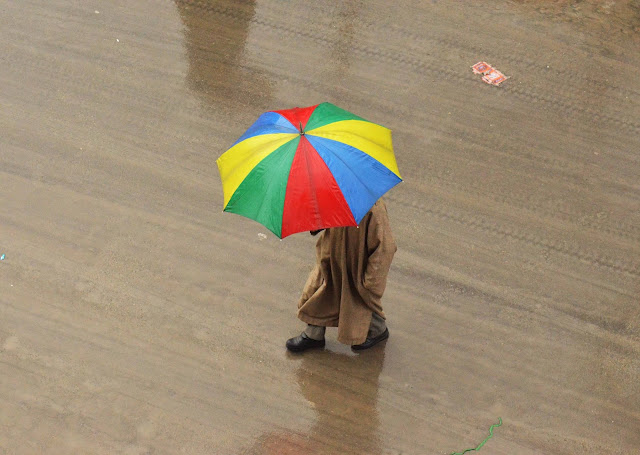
370 342
302 342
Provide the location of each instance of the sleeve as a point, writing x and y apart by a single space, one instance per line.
380 249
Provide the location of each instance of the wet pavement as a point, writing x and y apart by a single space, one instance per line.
137 318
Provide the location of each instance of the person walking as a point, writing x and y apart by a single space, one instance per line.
345 288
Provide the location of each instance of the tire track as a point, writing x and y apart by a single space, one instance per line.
529 64
524 202
448 42
520 199
102 89
481 224
411 62
527 201
109 89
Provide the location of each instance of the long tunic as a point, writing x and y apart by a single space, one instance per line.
346 285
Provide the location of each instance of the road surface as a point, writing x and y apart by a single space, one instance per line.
137 318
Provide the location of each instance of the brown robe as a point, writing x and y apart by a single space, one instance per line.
350 276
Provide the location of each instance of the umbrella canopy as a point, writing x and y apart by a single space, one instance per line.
308 168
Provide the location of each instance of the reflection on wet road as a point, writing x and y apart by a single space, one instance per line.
343 391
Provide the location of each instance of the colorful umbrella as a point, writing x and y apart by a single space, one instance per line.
308 168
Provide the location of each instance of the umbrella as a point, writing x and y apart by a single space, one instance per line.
309 168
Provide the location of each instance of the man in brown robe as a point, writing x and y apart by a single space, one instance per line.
345 288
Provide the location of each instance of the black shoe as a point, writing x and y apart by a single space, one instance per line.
302 342
370 342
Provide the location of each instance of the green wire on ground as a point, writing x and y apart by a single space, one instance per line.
482 443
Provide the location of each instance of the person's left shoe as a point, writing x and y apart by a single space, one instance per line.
302 342
370 342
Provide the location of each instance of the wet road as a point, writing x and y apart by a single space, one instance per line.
137 318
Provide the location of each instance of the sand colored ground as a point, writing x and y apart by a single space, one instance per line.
137 318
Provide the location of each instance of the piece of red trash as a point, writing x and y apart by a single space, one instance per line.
481 68
494 77
490 75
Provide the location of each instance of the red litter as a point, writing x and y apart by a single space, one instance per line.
490 75
481 68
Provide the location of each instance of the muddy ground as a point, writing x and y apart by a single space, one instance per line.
137 318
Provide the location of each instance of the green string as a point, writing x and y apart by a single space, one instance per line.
482 443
